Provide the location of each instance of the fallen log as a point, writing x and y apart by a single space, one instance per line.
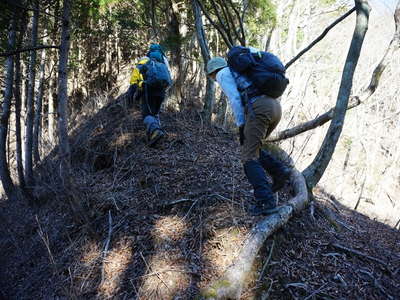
230 284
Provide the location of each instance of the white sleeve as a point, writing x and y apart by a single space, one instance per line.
228 86
166 63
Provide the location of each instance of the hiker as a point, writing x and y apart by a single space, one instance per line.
148 83
256 116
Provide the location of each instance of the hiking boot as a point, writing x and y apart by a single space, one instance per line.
155 137
262 209
265 199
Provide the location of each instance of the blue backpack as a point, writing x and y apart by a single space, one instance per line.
156 52
264 70
156 74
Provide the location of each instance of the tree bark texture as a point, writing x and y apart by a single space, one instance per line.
64 147
316 169
6 180
29 101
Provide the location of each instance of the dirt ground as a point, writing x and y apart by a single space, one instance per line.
162 223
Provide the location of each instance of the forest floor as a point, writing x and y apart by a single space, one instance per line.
163 222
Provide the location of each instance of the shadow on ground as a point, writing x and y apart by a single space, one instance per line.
164 221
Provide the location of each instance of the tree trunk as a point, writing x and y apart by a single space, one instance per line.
51 119
176 33
38 109
62 98
316 169
6 180
209 99
29 101
154 26
17 96
51 123
18 104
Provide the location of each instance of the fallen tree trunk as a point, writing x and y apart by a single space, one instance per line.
230 285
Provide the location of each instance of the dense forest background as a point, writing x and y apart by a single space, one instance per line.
79 184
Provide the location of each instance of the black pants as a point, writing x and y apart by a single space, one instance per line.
151 101
150 106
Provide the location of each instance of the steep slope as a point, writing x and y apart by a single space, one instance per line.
165 221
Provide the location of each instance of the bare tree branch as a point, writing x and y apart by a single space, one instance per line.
14 52
306 126
355 100
319 38
241 20
219 29
221 22
229 19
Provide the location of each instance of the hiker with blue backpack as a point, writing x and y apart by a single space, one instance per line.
253 81
149 81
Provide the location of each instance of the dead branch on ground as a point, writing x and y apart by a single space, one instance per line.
359 253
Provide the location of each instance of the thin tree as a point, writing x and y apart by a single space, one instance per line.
64 147
52 124
38 109
316 169
6 180
209 99
29 101
18 104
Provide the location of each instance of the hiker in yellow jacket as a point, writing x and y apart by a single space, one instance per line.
148 83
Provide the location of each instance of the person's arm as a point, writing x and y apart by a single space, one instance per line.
166 62
228 86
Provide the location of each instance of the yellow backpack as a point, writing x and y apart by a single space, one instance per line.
136 76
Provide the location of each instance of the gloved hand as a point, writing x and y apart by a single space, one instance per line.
241 135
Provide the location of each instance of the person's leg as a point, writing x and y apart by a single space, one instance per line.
130 93
151 105
279 172
258 121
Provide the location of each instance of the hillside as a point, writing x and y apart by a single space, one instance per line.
165 221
